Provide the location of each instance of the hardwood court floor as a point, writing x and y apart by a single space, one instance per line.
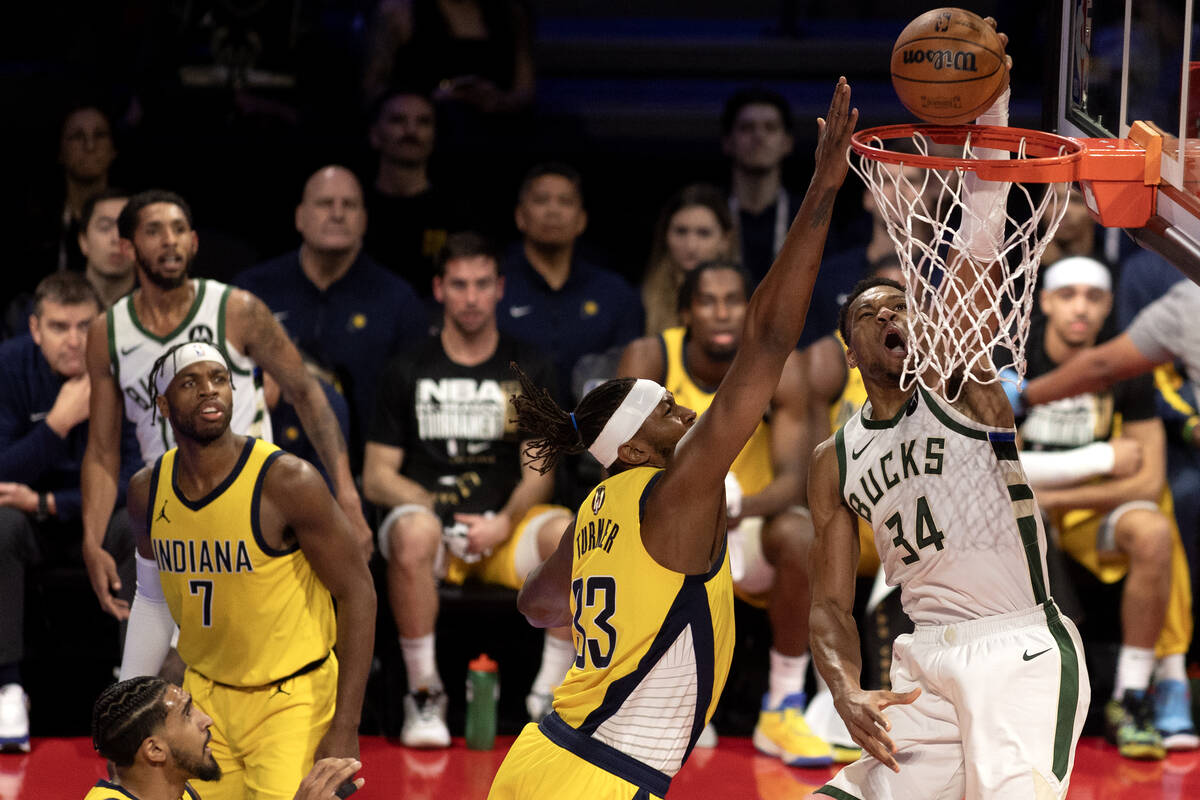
65 768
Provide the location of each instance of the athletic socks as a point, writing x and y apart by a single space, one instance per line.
1171 668
420 663
786 677
1135 665
557 657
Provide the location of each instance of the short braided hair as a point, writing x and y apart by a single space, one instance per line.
125 714
550 428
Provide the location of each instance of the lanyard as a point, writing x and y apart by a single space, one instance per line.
781 218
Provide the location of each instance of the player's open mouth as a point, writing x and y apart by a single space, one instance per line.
894 342
211 412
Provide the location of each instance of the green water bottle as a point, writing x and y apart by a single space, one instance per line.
483 690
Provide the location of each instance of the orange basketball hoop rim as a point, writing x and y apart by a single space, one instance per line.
1118 177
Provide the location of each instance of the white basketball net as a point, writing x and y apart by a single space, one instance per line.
960 313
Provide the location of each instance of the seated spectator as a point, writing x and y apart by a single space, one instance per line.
553 298
756 129
444 455
769 534
340 307
109 268
411 217
694 226
51 226
477 54
44 391
1113 512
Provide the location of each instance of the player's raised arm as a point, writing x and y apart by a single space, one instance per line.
686 495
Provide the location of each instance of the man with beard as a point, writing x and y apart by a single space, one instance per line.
157 740
411 215
768 531
241 545
168 308
444 455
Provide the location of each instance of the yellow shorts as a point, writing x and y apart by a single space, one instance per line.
510 563
264 737
537 768
1078 530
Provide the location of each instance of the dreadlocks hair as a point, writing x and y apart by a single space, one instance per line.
158 365
553 432
125 714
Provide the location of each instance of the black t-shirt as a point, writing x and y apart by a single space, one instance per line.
456 424
404 234
1083 419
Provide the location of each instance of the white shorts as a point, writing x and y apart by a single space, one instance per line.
1002 703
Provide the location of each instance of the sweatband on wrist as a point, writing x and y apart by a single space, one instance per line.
1055 469
643 398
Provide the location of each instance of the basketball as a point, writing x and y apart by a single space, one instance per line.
948 66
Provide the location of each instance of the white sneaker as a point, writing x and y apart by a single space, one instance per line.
14 718
708 737
425 720
539 704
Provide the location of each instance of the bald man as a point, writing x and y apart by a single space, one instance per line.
341 308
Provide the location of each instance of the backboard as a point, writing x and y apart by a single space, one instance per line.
1121 61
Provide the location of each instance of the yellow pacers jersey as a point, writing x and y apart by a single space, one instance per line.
753 465
103 790
653 646
248 614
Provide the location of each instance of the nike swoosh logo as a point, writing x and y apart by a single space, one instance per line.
854 454
37 416
127 350
520 311
1027 657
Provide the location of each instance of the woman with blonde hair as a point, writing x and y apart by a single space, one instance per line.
695 226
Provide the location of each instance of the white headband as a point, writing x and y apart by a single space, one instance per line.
642 399
1077 271
184 357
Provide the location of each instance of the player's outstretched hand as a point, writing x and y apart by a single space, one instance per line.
102 572
327 775
833 136
862 711
1003 41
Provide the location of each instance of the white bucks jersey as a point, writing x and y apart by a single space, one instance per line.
955 521
132 351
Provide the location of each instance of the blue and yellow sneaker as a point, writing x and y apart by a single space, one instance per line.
1173 715
783 732
1129 724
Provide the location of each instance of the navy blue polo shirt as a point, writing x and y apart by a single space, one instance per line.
351 328
33 454
594 311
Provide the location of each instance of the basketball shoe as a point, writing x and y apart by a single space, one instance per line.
1129 724
425 720
1173 715
782 731
14 719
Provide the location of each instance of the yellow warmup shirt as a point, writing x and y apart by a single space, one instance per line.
248 614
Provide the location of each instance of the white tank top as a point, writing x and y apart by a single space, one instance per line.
132 351
955 521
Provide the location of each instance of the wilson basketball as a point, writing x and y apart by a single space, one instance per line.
948 66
